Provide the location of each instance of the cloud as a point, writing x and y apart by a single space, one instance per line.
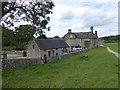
97 17
68 15
79 16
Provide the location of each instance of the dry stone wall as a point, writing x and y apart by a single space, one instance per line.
21 62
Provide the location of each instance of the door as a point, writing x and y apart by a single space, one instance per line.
49 53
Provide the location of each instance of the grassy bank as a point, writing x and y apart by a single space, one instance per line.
113 46
99 70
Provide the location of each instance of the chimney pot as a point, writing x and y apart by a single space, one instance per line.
91 28
96 33
69 30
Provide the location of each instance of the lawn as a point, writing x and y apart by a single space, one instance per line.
113 46
99 70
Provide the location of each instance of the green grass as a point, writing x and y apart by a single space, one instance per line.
99 70
113 46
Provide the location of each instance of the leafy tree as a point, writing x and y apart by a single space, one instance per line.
23 34
8 41
42 37
111 39
18 38
7 37
57 37
35 11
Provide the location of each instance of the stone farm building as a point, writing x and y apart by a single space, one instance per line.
38 48
81 39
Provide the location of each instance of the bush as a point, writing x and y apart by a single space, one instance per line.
8 48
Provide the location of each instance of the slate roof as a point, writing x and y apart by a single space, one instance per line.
83 35
51 43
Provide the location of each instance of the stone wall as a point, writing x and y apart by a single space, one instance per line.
15 63
33 50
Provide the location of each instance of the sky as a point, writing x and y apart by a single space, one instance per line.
79 15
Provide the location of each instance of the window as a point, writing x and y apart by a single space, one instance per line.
33 46
71 36
80 40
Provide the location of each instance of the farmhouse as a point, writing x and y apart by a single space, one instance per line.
81 39
39 48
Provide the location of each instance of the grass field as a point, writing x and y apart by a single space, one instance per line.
113 46
99 70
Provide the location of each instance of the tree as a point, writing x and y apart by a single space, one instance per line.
36 12
17 39
111 38
42 37
23 35
7 37
57 37
8 41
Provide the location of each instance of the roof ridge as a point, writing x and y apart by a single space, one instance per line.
80 32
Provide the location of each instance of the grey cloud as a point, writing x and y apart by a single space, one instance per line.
69 15
97 19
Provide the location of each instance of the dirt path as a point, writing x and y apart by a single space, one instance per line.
111 51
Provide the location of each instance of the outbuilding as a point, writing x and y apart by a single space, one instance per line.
40 48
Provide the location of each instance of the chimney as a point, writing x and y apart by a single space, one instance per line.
69 30
96 33
91 28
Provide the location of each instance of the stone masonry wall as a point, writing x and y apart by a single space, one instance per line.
21 62
14 63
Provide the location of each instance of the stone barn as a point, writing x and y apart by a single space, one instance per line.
38 48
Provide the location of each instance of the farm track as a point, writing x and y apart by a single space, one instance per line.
111 51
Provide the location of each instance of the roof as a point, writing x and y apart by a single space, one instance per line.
83 35
51 43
